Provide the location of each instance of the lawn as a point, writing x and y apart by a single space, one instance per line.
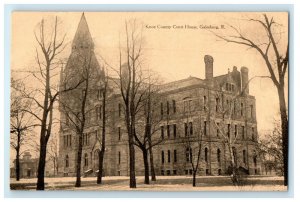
163 183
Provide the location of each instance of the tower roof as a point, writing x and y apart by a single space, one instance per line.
83 38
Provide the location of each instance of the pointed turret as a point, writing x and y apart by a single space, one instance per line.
83 38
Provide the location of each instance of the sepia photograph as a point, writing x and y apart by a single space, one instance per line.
149 101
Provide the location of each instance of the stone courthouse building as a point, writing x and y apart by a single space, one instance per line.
216 113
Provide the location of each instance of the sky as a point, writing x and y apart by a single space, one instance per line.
170 48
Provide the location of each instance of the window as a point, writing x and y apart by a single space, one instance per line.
219 156
174 172
185 129
254 160
244 156
251 111
98 112
86 159
205 128
227 87
168 108
253 134
174 106
162 157
206 155
189 155
67 119
169 156
175 156
99 94
234 108
168 172
218 129
242 109
207 171
174 130
204 103
228 130
235 130
168 131
119 132
85 140
243 132
162 132
191 128
161 109
162 172
217 104
234 154
67 161
119 157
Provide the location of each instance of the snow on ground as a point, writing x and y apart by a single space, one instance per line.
163 183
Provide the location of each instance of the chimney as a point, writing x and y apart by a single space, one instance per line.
209 67
244 78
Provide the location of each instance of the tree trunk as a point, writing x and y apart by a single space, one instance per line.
42 162
100 173
78 163
18 157
194 178
153 176
146 166
132 183
284 129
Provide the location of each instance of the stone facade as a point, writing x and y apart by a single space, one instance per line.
216 113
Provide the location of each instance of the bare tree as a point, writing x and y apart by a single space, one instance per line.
149 124
78 113
21 122
276 63
270 146
131 83
103 135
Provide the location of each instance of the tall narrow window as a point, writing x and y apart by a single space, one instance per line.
243 132
86 159
219 155
67 119
119 132
191 128
168 131
161 109
175 156
228 130
244 156
189 155
169 156
205 128
119 158
185 129
162 157
234 154
242 109
253 134
218 129
204 103
217 104
234 107
174 106
206 154
251 111
162 132
174 130
168 108
67 161
235 130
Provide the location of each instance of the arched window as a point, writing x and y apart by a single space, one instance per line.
219 155
206 154
67 161
86 159
244 156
